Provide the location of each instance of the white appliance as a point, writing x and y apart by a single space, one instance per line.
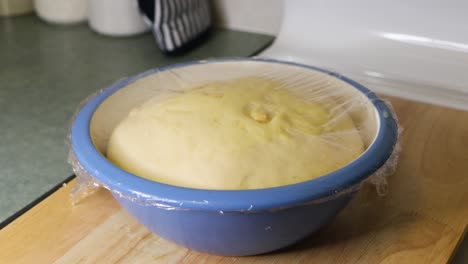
415 49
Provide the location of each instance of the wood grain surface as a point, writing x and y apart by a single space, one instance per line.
421 220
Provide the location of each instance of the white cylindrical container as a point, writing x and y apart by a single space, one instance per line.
116 17
62 11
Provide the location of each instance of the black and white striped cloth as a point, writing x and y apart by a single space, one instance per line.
176 24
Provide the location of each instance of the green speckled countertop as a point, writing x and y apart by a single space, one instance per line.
46 70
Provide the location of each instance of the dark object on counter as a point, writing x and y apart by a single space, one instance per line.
177 25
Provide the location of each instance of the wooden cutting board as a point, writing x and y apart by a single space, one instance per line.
421 220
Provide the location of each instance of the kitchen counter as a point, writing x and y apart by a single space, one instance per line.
46 70
421 220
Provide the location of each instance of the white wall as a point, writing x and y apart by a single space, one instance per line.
259 16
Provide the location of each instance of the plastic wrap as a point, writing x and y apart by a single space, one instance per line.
330 91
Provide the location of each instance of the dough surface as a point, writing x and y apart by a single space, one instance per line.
248 133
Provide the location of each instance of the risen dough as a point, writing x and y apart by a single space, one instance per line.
243 134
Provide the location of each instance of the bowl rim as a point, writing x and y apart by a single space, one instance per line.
147 192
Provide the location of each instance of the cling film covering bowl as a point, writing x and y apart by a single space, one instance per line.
234 222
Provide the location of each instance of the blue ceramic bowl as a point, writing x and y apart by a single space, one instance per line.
224 222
